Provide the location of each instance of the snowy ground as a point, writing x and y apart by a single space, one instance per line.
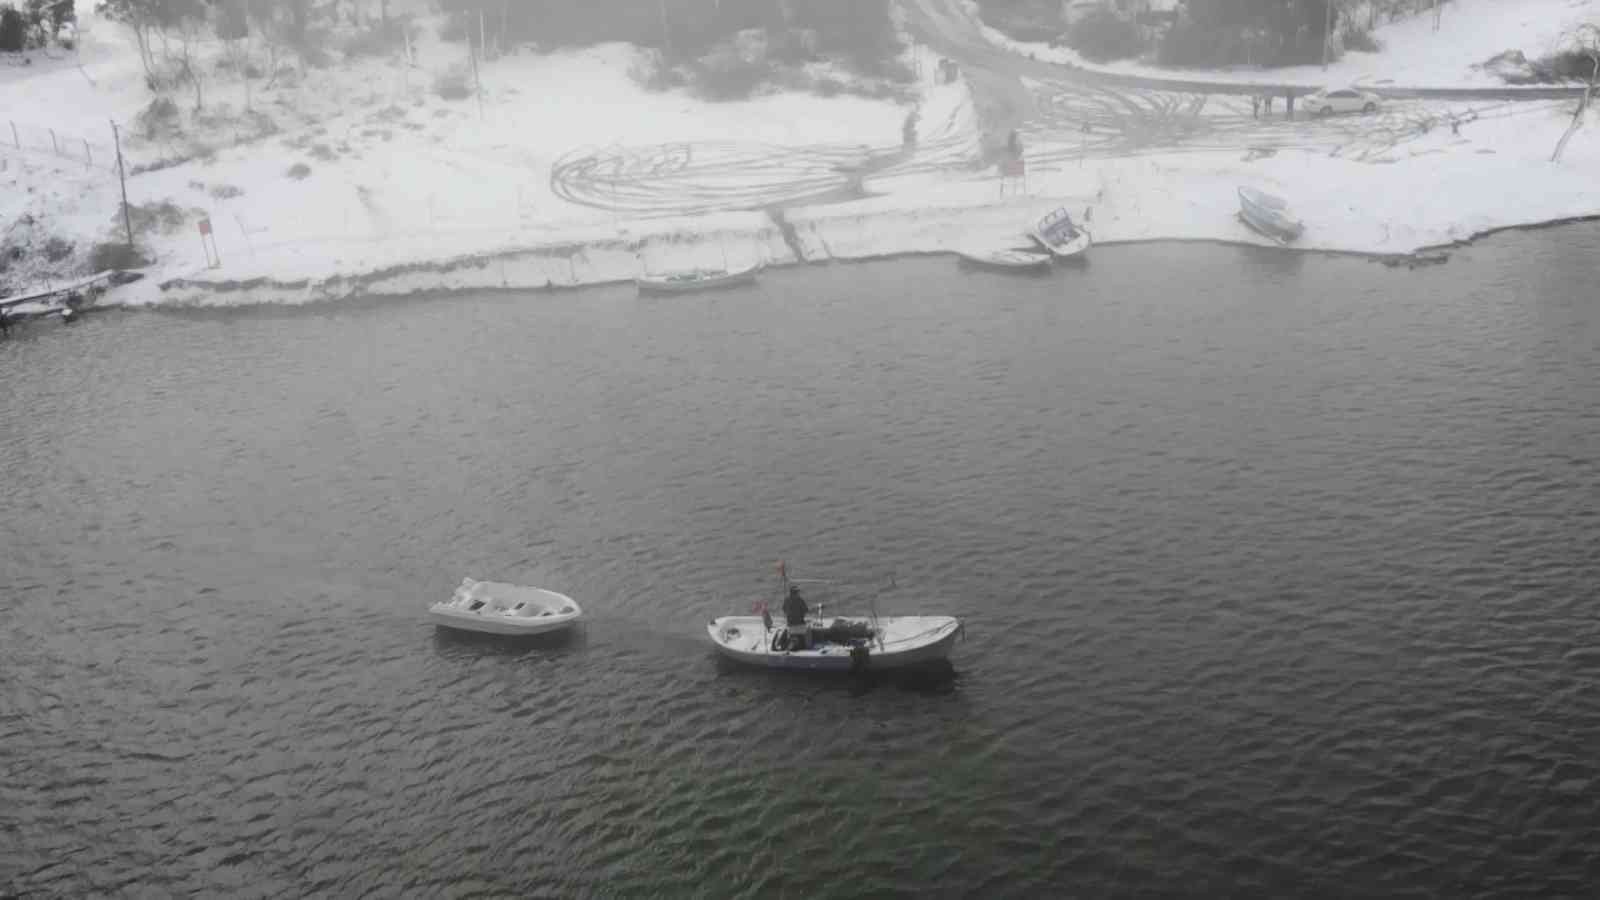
573 174
1414 55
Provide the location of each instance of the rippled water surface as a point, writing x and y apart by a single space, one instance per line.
1279 575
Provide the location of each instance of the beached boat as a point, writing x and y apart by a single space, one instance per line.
67 300
696 280
1010 259
494 607
1268 214
834 643
1062 237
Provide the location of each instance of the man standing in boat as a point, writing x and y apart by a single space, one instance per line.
794 613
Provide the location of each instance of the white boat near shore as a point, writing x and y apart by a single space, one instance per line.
696 280
493 607
1007 258
1269 215
1062 237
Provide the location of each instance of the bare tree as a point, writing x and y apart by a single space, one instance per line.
1585 41
183 60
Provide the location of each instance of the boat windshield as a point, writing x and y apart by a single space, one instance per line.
1060 231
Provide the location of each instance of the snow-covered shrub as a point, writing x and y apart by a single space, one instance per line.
114 255
225 191
651 71
299 171
726 73
164 216
158 117
1103 35
380 39
452 85
1362 40
57 248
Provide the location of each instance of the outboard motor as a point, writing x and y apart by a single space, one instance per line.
860 658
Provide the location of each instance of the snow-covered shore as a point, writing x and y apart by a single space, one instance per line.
574 175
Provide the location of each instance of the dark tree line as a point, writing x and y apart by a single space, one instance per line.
1208 32
859 30
34 23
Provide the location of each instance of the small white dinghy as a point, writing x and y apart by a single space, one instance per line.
1009 259
493 607
832 643
696 280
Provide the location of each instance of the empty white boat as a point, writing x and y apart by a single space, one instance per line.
494 607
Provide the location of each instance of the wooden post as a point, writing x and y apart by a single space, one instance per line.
54 147
127 217
16 140
88 155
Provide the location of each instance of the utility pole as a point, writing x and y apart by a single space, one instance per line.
127 218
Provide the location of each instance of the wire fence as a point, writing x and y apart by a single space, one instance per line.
28 138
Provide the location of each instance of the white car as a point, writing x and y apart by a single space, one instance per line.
1343 100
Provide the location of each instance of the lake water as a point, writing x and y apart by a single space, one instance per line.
1278 574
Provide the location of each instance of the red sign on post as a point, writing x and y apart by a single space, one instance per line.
1013 168
208 243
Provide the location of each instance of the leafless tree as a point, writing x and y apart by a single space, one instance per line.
1584 41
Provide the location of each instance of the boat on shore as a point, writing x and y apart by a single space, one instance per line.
1060 236
1268 214
691 280
834 643
68 300
1010 259
492 607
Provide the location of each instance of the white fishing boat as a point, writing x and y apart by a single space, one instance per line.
1062 237
833 643
1007 258
690 280
1269 215
494 607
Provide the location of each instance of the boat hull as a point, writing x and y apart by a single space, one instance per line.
460 620
1071 249
1268 215
495 608
909 641
1006 260
665 285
